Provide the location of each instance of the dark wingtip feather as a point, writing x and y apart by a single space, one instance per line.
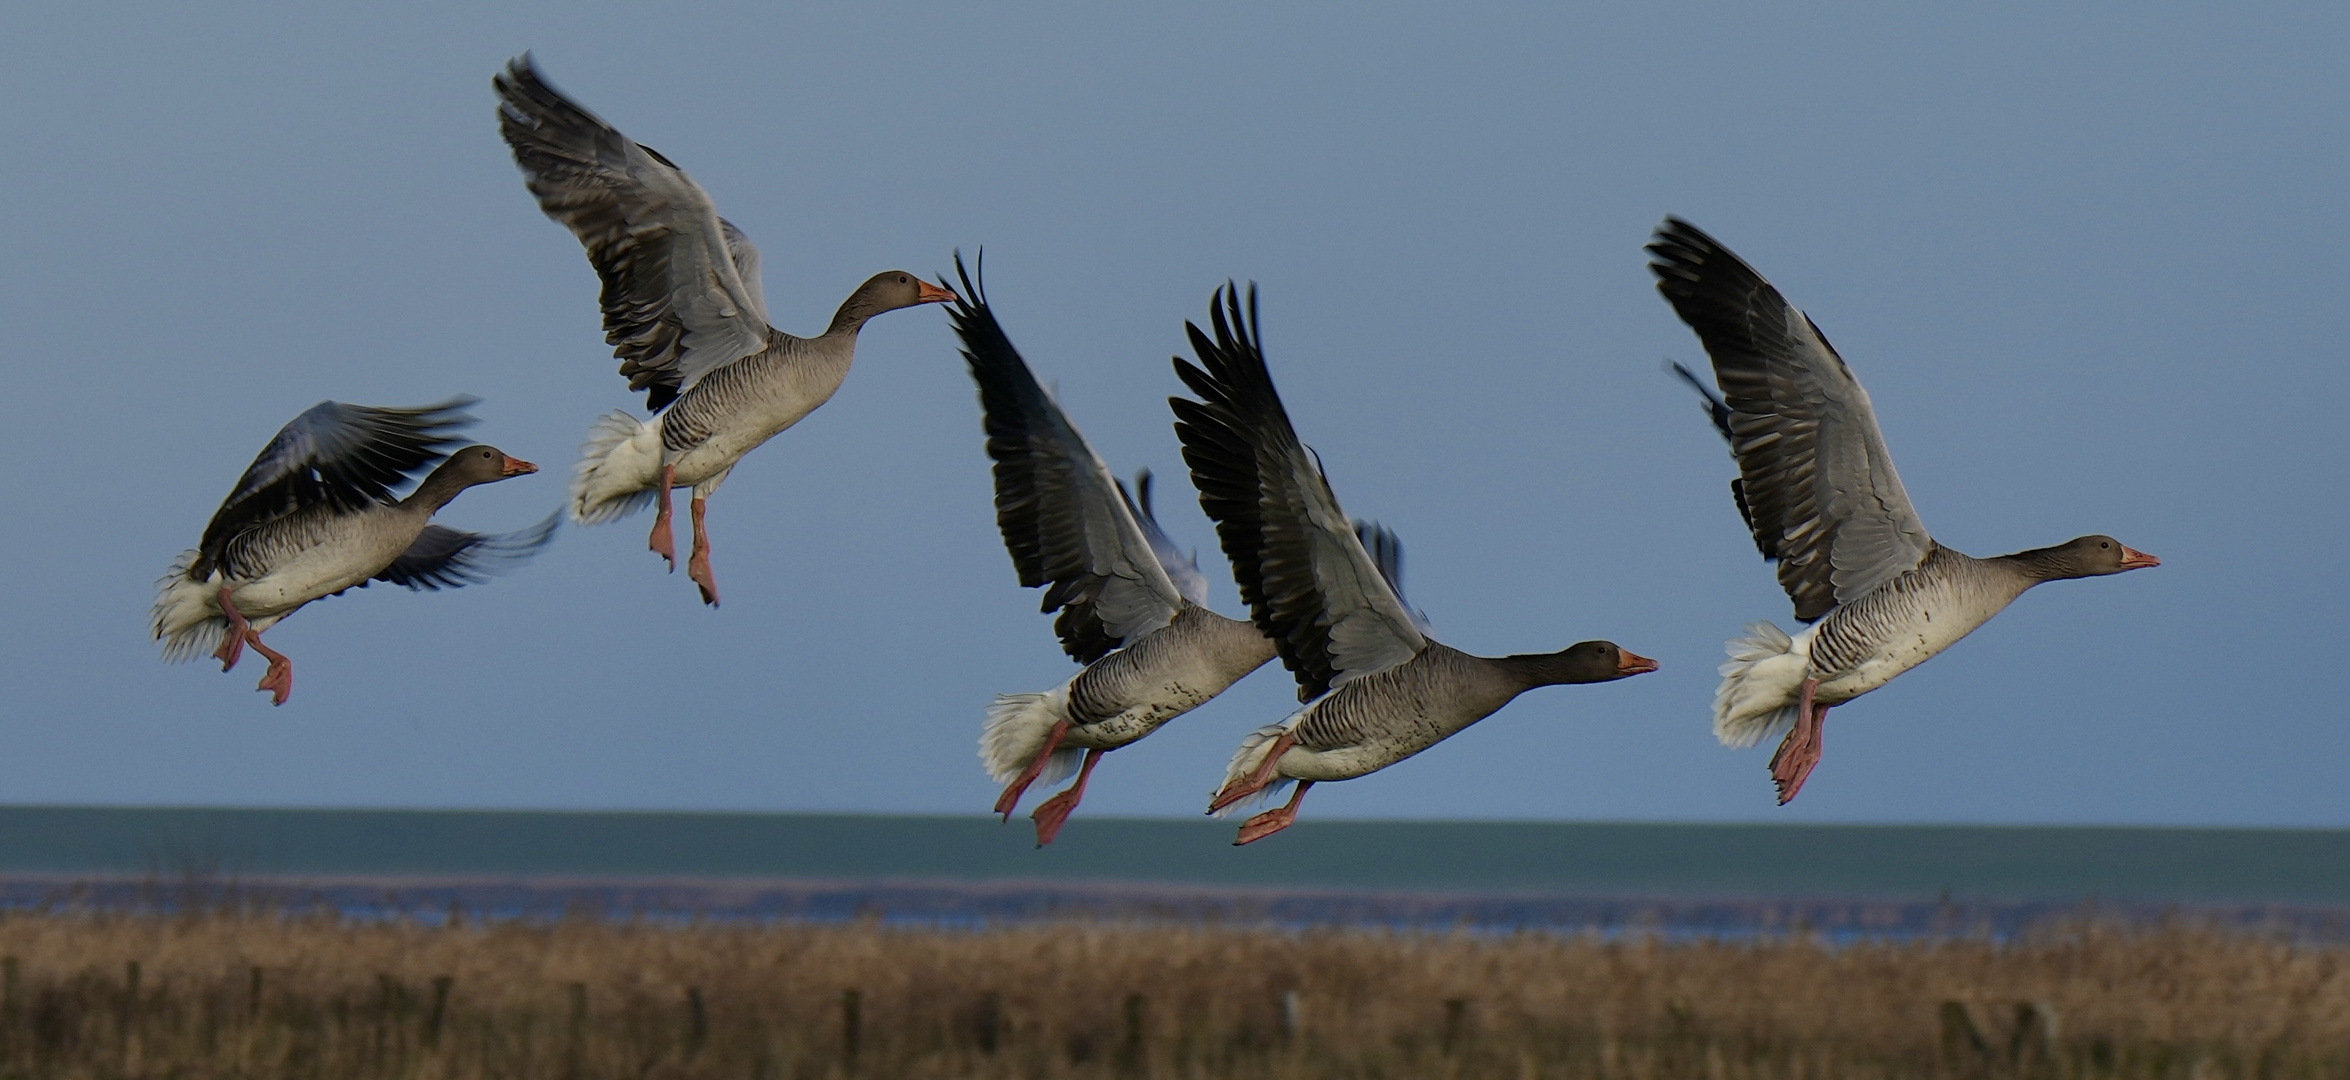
1715 408
1142 493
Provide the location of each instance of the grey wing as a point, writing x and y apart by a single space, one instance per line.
1306 578
1718 412
446 558
1816 483
1386 550
745 256
333 458
1064 519
676 304
1180 566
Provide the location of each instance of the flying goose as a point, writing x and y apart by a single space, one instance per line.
1377 689
684 312
1133 607
314 515
1817 489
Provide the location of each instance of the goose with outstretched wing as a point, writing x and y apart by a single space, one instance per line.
1377 689
315 515
1817 489
1132 606
684 312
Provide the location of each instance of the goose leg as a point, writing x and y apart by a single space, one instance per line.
1801 749
1256 781
232 647
1051 813
279 680
697 565
1012 792
1272 821
663 542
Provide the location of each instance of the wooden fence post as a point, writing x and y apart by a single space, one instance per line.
130 1017
388 993
130 997
440 1010
575 1040
852 1021
1963 1045
2035 1035
989 1021
1130 1051
1293 1019
697 1027
1456 1013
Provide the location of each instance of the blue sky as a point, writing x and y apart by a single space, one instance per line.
2089 261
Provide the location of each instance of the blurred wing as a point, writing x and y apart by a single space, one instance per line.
1386 550
677 301
1719 412
1308 582
1181 567
446 558
337 456
1818 485
745 256
1064 519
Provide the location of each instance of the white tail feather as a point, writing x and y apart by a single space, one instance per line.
185 619
619 470
1016 728
1249 758
1759 684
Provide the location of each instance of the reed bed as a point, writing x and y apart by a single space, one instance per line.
260 993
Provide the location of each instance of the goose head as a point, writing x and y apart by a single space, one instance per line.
473 465
887 291
1583 662
485 465
2090 556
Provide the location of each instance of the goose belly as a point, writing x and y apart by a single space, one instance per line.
1131 693
1344 763
1400 741
1860 648
732 412
1372 723
713 456
318 571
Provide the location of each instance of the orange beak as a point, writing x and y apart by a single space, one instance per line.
1632 663
927 293
2133 559
517 467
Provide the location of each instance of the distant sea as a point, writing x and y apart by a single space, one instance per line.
1894 879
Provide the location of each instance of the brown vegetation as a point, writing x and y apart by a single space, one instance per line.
273 995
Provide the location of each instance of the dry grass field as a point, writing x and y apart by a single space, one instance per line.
267 994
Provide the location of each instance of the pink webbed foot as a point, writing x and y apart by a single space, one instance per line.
1054 812
1800 751
279 679
697 565
1256 781
1010 799
1272 821
663 541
